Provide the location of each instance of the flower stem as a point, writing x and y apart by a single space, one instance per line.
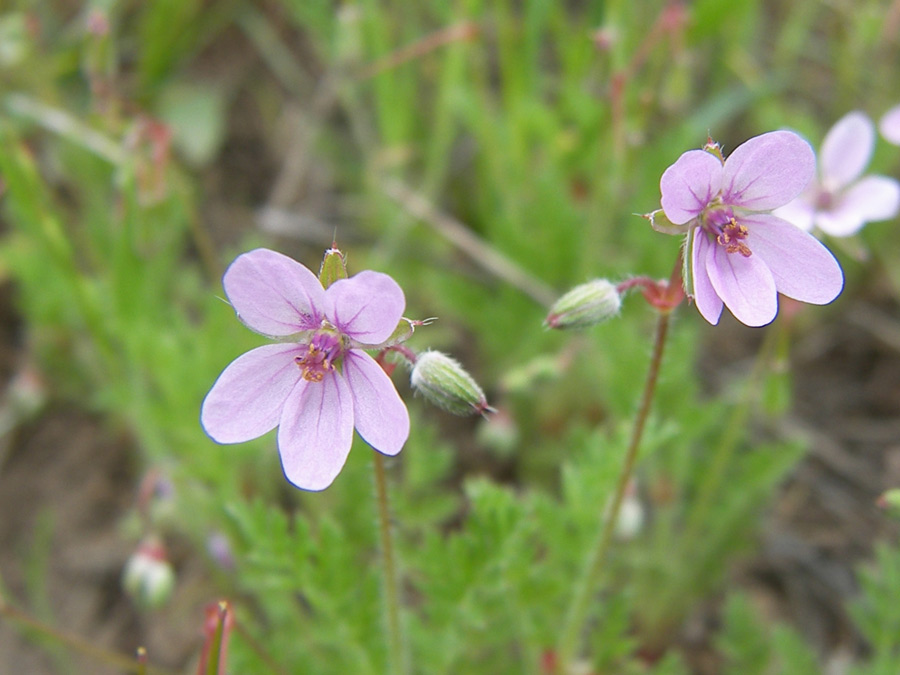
578 607
28 624
397 663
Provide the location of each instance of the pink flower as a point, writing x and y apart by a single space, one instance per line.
890 125
737 253
317 384
839 202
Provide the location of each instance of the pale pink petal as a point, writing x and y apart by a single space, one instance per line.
799 212
367 306
890 125
689 185
801 266
273 294
768 171
846 150
246 400
709 304
379 414
316 432
871 199
745 285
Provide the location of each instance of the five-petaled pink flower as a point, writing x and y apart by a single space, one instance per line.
740 255
838 201
318 383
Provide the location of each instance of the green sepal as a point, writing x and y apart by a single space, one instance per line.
334 267
660 223
687 276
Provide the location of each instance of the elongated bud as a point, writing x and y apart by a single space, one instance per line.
585 305
148 577
444 382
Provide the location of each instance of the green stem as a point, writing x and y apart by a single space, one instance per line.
397 663
578 608
76 643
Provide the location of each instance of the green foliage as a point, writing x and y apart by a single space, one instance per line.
876 613
542 138
752 646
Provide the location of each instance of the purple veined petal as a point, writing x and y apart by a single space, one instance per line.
745 285
799 212
367 306
709 304
689 185
272 294
801 266
871 199
846 150
379 414
890 125
768 171
246 401
316 432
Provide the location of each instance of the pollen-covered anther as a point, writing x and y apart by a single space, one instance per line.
319 357
732 238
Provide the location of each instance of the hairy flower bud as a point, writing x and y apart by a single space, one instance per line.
585 305
444 382
148 576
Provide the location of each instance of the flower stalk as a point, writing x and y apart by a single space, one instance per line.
397 662
577 615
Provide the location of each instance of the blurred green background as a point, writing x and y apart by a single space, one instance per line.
489 155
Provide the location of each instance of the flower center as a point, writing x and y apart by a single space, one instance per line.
324 349
732 238
722 225
825 200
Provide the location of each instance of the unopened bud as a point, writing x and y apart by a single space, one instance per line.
148 577
585 305
444 382
890 501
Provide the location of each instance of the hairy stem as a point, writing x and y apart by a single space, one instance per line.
397 663
568 643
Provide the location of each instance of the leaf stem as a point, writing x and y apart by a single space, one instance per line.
568 643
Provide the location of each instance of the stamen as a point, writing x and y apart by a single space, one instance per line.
731 237
319 359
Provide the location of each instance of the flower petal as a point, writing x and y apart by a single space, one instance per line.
273 294
767 171
316 432
871 199
846 150
689 185
745 285
367 306
709 304
379 414
890 125
799 212
801 266
246 400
